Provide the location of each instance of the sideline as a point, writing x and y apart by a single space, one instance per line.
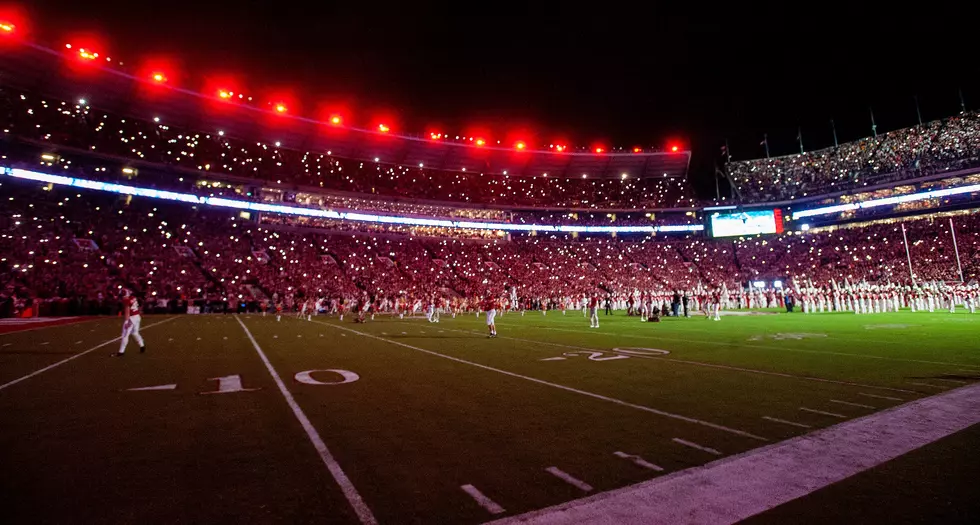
732 489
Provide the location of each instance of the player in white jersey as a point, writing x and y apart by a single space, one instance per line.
131 323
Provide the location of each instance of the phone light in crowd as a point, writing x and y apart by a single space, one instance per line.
520 145
383 129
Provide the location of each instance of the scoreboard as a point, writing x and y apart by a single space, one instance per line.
738 223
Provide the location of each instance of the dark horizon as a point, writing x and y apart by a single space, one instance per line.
621 78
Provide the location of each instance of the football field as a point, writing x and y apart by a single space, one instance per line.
230 418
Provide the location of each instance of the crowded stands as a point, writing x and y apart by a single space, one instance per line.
935 147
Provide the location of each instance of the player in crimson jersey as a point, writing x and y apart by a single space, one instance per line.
131 323
490 307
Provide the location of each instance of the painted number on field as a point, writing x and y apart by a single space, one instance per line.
346 376
228 385
593 356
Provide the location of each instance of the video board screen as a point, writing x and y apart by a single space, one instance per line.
738 223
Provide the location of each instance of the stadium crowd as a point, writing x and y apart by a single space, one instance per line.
72 250
935 147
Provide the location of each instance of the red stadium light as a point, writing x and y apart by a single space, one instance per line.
87 54
336 120
159 78
480 142
599 150
225 94
674 148
637 150
560 147
383 129
280 108
435 136
520 145
7 28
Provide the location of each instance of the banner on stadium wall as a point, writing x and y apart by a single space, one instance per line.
86 244
184 251
261 256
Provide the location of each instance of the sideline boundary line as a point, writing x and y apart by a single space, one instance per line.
350 492
556 385
732 489
76 356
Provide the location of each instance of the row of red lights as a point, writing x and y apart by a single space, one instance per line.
160 77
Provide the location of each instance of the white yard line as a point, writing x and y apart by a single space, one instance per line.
732 489
848 403
558 386
823 413
568 478
639 461
491 506
785 422
353 497
76 356
710 365
694 445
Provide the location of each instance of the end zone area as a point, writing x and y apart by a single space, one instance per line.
431 422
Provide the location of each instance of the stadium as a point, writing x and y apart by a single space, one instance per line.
316 296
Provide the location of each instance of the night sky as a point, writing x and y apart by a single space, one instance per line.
616 75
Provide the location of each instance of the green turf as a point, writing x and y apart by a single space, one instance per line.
416 426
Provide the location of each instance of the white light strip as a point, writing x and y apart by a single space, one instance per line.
886 201
328 214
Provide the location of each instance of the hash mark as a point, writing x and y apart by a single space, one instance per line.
785 422
568 478
821 412
695 445
491 506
